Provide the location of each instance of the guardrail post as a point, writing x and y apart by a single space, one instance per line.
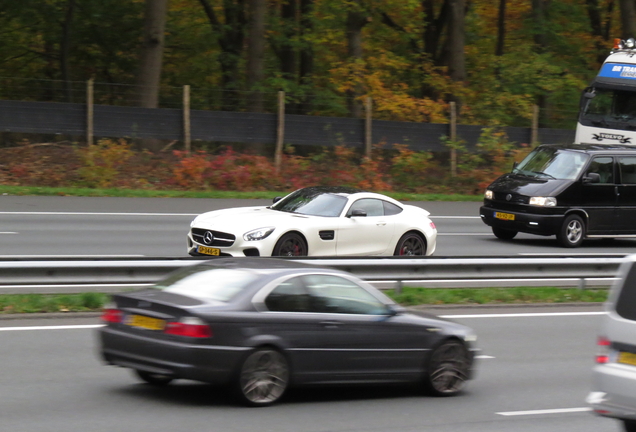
398 287
581 284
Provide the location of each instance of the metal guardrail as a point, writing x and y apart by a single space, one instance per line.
112 275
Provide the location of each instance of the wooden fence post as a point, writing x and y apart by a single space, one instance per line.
368 127
280 132
89 112
534 135
453 137
186 118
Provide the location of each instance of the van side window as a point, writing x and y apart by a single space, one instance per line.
627 167
604 166
626 301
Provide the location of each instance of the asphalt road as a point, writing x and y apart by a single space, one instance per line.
76 226
533 376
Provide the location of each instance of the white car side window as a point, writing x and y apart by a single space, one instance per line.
372 207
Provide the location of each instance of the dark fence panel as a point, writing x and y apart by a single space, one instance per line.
223 126
241 127
42 117
132 122
323 131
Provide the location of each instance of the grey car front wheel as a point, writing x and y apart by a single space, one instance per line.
263 377
448 369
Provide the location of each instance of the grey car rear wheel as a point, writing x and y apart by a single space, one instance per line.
629 425
410 244
263 377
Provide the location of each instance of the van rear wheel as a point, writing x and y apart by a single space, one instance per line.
504 234
572 232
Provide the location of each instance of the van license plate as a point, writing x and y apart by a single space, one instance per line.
504 216
209 251
627 358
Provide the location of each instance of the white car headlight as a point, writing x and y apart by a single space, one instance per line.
488 194
258 234
543 201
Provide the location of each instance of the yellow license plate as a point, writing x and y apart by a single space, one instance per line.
209 251
627 358
504 216
145 322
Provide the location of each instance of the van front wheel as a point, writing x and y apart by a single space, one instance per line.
504 234
572 232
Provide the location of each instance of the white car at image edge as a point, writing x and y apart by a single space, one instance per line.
316 221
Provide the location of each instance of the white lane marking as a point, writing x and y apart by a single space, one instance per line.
98 214
464 234
71 256
572 254
164 214
484 357
454 217
58 327
124 285
8 232
557 314
524 315
545 411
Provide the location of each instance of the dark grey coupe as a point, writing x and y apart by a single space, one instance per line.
262 325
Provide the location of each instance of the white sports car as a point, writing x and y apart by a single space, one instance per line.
316 221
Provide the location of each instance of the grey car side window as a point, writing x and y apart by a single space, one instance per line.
289 296
334 294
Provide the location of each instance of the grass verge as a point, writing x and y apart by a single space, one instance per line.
518 295
93 302
134 193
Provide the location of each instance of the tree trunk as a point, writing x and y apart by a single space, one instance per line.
65 47
628 18
230 37
256 54
596 24
434 28
288 54
540 20
501 28
306 51
456 42
151 56
356 20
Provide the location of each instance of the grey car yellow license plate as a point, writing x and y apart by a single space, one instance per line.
627 358
145 322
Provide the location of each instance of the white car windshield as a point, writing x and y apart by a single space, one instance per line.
552 163
312 202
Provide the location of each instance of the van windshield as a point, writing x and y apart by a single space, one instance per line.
552 163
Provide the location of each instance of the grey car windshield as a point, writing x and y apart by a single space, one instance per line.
552 163
307 202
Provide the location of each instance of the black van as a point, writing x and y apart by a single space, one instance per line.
573 191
